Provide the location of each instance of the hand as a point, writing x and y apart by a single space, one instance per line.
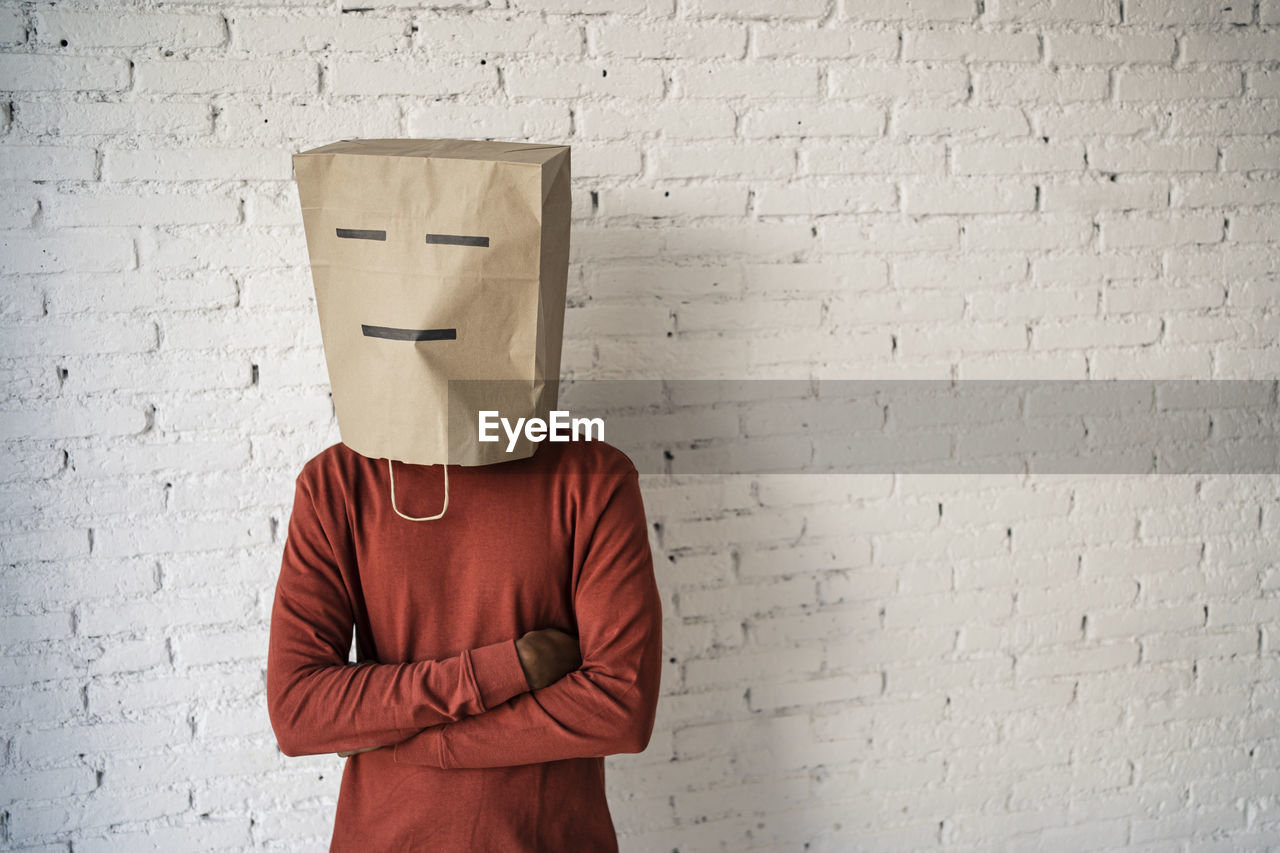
547 655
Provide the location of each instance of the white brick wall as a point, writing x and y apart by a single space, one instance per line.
826 188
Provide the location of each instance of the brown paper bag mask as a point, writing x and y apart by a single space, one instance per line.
434 261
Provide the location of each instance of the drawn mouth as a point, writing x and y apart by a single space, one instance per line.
393 334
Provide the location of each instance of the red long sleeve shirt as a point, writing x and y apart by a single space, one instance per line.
476 761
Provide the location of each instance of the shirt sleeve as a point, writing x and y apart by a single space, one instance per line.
318 702
608 705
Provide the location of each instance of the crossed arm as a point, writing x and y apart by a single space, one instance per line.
475 709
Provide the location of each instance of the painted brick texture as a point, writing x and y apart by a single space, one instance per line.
1084 189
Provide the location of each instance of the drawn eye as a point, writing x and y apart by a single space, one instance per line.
458 240
361 234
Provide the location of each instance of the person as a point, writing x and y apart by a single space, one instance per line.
507 627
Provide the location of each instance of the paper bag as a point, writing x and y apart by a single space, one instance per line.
437 261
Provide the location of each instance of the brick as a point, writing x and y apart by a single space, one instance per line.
1229 46
214 76
268 122
81 119
81 578
803 348
1086 121
1054 11
197 164
55 544
109 499
140 694
70 293
51 784
116 29
666 427
1162 231
960 121
1194 645
234 831
91 250
18 209
627 279
1042 303
607 160
787 561
843 120
230 248
13 26
741 599
127 656
1172 12
67 421
756 80
474 34
1111 332
216 412
967 197
698 120
969 46
1153 157
650 8
157 370
141 209
30 72
863 158
677 201
774 161
217 648
662 41
1254 228
1002 158
99 811
908 10
1104 195
977 272
1177 85
618 320
265 34
1077 661
756 314
1235 263
756 9
743 242
923 82
543 79
1225 190
1225 119
792 43
892 234
106 617
1040 85
47 163
1049 231
1109 48
676 359
410 76
1262 84
826 199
